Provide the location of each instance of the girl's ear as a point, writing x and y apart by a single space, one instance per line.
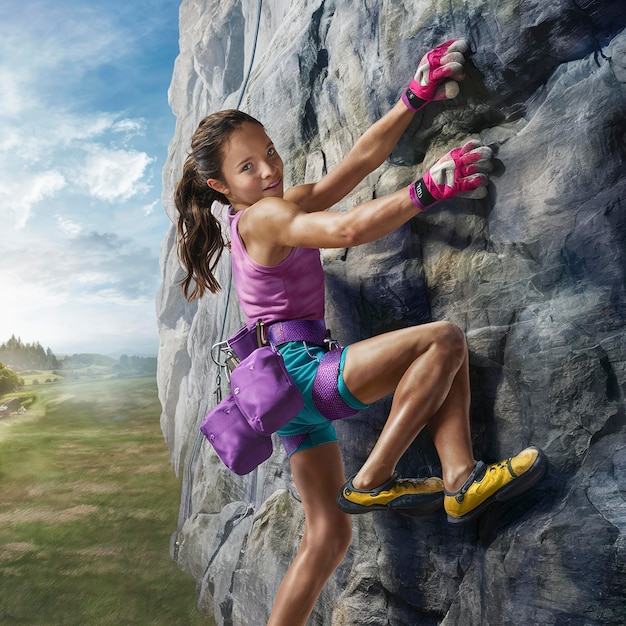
217 185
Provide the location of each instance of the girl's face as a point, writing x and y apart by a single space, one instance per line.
251 168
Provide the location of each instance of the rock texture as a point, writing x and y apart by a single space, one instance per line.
535 275
11 407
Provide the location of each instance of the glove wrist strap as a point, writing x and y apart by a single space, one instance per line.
420 196
411 100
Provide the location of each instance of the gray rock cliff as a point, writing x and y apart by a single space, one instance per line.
535 275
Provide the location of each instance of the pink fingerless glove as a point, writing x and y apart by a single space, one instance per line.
461 172
436 75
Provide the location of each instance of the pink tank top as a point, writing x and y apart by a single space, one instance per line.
291 290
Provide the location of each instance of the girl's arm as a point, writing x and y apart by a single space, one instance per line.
271 227
434 80
368 153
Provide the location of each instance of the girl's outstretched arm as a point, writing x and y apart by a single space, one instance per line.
435 79
271 227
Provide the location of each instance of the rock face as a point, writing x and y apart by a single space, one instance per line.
535 275
10 407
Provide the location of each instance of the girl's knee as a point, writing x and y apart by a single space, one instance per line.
339 537
330 542
451 333
451 339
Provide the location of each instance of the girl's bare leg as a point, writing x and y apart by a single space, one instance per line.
427 369
451 433
319 476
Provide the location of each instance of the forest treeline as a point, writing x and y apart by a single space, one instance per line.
18 359
21 357
27 356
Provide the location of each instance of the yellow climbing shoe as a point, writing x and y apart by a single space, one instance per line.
496 482
420 496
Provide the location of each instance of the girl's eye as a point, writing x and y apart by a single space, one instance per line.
271 152
246 167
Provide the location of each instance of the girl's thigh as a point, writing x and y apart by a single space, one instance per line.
373 367
319 476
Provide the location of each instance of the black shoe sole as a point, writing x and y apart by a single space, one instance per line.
414 505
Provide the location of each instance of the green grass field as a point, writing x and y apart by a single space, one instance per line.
88 501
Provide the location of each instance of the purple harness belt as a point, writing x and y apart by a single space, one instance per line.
312 331
325 391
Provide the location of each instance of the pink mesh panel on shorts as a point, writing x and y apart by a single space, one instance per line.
325 392
293 442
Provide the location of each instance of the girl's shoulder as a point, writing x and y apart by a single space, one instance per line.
268 211
262 227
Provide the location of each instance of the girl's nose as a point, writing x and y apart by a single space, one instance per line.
269 169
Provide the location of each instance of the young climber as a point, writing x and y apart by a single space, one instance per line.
275 236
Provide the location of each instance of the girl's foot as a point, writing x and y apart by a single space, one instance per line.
420 496
496 482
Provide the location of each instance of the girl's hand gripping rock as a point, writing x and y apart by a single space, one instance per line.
462 172
437 75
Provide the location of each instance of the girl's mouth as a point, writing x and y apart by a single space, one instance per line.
273 185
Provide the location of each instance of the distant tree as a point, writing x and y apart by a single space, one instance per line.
53 363
9 380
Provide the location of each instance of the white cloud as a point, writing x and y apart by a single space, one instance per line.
19 195
87 268
130 127
114 175
68 227
94 278
148 209
48 132
66 128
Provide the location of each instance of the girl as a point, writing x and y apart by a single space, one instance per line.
274 243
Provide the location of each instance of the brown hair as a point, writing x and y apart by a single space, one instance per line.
200 241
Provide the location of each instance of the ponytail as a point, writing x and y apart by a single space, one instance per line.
200 239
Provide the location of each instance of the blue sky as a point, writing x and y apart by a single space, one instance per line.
84 129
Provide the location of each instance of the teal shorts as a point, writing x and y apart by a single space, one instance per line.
310 428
